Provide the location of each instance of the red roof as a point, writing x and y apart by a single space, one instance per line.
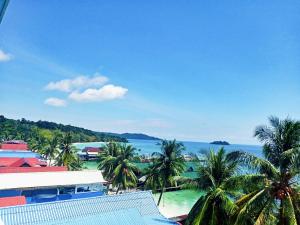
14 146
32 169
18 162
11 201
92 149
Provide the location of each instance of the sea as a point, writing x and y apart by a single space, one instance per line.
147 147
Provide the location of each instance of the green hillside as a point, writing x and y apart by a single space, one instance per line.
26 130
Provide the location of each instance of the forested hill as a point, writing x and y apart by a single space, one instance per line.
139 136
25 130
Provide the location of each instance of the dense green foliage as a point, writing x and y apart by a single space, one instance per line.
215 174
166 166
27 130
138 136
268 196
276 198
116 163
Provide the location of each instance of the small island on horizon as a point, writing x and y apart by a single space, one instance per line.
219 143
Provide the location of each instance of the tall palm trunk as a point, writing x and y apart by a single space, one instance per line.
161 192
281 217
118 189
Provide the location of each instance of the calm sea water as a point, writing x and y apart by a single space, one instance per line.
147 147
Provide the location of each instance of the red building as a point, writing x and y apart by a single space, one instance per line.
92 149
12 201
21 162
14 145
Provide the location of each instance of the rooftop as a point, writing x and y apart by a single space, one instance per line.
48 179
136 208
18 162
14 142
32 169
18 154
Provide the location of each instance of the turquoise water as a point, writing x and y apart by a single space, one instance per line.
149 146
92 165
177 203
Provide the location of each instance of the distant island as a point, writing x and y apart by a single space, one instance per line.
219 143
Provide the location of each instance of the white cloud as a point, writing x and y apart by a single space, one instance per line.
5 56
68 85
57 102
107 92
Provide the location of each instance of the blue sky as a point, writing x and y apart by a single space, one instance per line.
191 70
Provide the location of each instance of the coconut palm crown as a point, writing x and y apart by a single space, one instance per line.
67 152
116 163
218 178
167 164
276 199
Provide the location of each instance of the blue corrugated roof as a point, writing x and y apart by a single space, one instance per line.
127 209
127 216
19 154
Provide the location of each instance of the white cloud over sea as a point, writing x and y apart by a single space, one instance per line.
85 89
57 102
4 57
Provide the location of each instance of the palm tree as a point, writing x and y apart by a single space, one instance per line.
216 178
108 159
167 164
37 142
276 200
125 172
51 150
67 153
117 165
77 164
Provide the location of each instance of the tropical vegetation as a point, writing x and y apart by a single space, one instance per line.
277 199
116 163
28 130
215 174
267 194
67 152
167 165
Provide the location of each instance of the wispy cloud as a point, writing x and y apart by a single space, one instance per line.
4 57
57 102
107 92
68 85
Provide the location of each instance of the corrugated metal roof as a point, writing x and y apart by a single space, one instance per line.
126 216
17 162
126 209
18 154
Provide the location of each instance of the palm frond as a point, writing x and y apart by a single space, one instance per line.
289 216
253 162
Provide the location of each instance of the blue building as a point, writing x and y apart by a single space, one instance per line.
136 208
39 187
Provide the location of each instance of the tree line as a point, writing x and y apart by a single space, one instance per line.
28 130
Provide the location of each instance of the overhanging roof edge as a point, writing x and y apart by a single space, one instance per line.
3 8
